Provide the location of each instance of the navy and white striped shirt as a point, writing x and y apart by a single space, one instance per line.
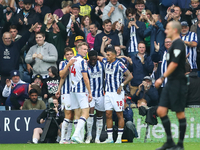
66 85
113 74
164 67
133 46
190 37
76 70
96 76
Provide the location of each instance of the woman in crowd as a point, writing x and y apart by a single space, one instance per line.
85 24
48 20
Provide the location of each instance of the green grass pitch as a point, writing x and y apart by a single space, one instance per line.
93 146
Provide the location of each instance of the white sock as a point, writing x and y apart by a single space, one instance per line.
99 126
82 133
90 121
69 130
35 140
75 123
80 125
120 132
58 139
64 128
110 133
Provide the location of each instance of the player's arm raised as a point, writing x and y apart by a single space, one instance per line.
100 58
63 73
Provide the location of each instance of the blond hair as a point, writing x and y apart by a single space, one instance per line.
66 3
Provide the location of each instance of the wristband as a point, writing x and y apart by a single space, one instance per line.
162 77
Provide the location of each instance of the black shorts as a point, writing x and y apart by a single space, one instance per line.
174 95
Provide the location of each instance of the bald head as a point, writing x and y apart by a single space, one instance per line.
176 25
173 29
7 38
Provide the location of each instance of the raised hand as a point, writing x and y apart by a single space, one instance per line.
8 17
120 7
8 82
157 46
33 27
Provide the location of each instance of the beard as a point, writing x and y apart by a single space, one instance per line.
34 102
184 33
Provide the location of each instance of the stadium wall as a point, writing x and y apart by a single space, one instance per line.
17 126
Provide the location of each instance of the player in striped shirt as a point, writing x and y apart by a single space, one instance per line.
64 91
96 76
190 40
114 97
80 89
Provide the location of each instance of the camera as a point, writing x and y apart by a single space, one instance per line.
150 113
172 10
132 19
51 112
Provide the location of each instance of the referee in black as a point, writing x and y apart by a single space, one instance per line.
174 93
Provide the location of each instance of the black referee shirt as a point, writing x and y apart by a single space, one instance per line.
176 53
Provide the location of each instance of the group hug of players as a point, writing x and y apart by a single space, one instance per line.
88 85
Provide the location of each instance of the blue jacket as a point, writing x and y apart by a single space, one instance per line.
139 70
183 4
9 55
157 34
139 33
151 96
166 3
98 40
18 95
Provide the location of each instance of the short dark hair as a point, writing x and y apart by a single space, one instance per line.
130 11
142 42
54 70
42 33
68 49
13 27
33 91
139 2
39 23
111 50
92 53
106 21
54 97
93 24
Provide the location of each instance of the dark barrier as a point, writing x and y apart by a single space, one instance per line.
17 126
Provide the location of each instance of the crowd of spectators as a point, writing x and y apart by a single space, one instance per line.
36 32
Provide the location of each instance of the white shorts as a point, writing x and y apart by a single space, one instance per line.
114 101
79 100
98 103
66 102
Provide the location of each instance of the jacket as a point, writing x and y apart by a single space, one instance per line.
7 90
157 34
58 40
9 55
151 96
98 40
32 19
50 57
139 33
116 14
139 70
